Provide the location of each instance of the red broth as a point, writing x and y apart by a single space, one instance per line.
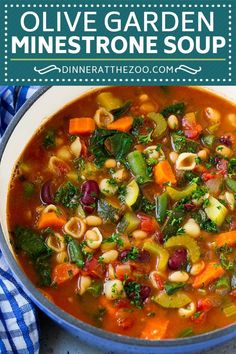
126 218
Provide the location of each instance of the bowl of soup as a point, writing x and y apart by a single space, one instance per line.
118 214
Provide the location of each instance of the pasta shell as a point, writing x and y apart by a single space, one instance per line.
186 161
75 227
102 118
56 242
94 238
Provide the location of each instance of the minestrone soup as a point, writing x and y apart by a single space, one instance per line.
121 210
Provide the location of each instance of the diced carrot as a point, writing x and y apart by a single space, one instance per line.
163 173
226 238
81 126
148 223
63 272
211 272
51 219
123 124
155 328
108 305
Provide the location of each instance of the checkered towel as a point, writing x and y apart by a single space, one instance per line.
18 323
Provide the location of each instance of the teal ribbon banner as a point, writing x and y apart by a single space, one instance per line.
118 42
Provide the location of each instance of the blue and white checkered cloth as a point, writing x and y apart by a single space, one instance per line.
18 321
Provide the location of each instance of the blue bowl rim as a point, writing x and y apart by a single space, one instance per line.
64 318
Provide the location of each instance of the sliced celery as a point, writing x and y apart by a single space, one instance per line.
216 211
158 251
160 122
128 223
229 310
185 241
108 101
176 194
132 193
175 301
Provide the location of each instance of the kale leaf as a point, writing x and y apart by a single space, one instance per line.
177 109
29 241
49 139
43 269
121 110
107 143
67 195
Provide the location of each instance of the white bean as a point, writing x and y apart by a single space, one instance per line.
93 220
197 268
139 234
173 122
113 289
179 277
188 311
191 228
110 256
76 147
203 154
224 151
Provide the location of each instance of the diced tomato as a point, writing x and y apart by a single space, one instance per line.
159 282
61 167
192 130
84 150
123 271
222 166
148 223
200 318
233 225
206 176
204 304
233 293
124 318
94 268
63 272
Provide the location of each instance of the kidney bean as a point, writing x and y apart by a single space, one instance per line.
226 140
143 256
89 209
46 193
90 195
178 259
145 291
123 255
